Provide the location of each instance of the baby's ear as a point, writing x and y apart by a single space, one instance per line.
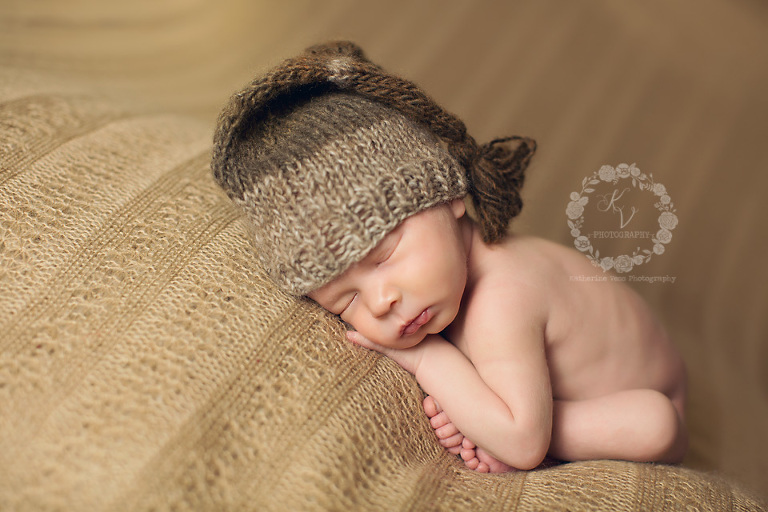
458 207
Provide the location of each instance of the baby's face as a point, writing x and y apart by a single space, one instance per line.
409 285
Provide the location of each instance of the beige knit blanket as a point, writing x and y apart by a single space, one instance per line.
146 364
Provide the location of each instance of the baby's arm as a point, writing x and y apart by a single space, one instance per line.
502 398
502 404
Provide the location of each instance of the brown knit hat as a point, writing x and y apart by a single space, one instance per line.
327 153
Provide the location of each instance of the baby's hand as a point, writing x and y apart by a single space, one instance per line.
408 358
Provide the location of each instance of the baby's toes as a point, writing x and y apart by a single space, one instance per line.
482 467
454 450
467 455
494 464
472 463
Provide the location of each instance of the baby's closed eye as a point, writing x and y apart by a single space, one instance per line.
347 304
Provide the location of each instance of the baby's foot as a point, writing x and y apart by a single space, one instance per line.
480 460
454 441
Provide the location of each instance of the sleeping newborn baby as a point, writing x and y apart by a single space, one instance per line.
354 184
522 361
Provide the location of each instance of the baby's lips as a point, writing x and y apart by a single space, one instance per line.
416 323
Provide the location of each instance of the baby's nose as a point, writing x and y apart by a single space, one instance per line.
385 300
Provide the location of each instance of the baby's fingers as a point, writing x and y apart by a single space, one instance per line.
408 359
453 442
358 339
431 407
439 420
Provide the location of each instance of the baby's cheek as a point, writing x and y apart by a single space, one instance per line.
374 337
379 338
354 324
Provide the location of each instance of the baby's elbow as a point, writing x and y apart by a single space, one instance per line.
533 456
529 451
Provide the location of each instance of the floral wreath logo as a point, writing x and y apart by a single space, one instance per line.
608 174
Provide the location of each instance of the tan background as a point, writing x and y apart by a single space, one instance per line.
677 87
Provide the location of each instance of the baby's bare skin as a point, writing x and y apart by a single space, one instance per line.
518 357
600 337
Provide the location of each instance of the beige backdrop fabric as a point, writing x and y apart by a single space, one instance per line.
151 255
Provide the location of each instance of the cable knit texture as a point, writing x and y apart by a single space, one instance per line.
326 181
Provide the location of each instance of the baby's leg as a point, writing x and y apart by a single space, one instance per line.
455 442
640 425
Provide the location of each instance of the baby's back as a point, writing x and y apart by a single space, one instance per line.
600 335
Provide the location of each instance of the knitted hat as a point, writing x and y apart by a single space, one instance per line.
327 153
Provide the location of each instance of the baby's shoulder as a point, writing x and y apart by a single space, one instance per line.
516 275
524 274
505 298
527 259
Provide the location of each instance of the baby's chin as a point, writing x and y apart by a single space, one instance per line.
400 343
414 339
